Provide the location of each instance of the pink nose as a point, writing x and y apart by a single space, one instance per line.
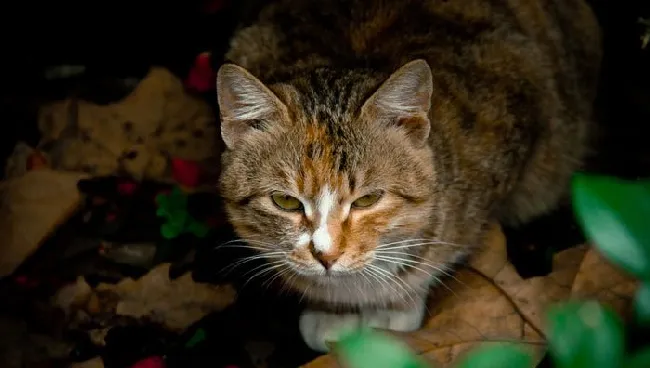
326 259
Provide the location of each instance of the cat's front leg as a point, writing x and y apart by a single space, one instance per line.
318 328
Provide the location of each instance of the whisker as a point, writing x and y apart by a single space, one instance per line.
392 278
381 280
425 262
246 240
264 243
283 271
245 246
401 242
270 255
432 242
269 268
288 285
403 262
251 244
263 266
422 261
304 293
424 241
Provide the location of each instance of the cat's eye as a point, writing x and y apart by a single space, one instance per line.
285 202
367 200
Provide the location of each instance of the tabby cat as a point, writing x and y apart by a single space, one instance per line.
369 143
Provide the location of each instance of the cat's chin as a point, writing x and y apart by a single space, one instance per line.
315 272
328 274
333 277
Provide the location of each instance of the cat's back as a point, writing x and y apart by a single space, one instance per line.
291 36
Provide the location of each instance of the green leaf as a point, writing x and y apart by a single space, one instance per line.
198 337
585 335
615 215
639 360
170 231
198 229
367 349
642 305
504 356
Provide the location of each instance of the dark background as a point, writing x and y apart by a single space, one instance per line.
112 39
123 38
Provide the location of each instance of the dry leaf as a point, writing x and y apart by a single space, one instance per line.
176 304
490 303
32 206
72 296
96 362
159 114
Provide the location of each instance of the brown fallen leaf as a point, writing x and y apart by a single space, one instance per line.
176 304
32 206
96 362
491 304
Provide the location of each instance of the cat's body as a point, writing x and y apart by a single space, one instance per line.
490 127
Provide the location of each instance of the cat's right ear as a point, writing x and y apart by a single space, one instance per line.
245 103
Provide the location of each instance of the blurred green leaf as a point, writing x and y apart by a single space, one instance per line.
642 305
504 356
368 349
170 230
197 228
639 360
615 215
198 337
585 335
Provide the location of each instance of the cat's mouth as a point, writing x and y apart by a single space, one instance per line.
338 278
370 265
362 268
320 272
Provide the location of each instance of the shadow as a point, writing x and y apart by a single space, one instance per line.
622 112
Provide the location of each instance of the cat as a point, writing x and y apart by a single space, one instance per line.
369 143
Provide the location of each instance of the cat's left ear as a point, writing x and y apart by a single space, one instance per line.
404 99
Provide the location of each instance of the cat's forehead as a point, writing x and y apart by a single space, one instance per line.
326 161
335 148
328 128
332 94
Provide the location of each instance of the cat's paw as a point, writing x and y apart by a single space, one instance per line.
319 328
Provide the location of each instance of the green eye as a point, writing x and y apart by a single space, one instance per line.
286 202
367 200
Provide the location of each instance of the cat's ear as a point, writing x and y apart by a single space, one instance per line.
245 103
404 99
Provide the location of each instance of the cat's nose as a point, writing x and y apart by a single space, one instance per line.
326 259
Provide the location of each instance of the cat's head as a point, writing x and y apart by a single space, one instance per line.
323 170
